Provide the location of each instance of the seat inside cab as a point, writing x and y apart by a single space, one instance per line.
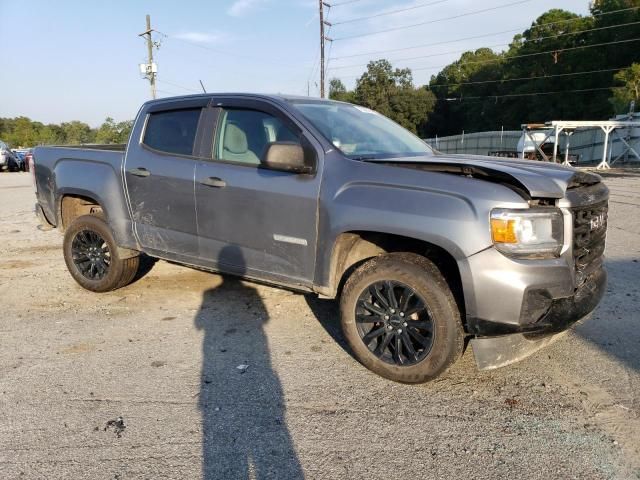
245 135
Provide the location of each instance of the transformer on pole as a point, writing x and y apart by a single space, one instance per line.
150 69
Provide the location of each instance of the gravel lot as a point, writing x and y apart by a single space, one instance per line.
163 353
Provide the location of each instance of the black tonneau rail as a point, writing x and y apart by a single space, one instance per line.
114 147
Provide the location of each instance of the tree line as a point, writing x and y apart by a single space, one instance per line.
562 67
24 132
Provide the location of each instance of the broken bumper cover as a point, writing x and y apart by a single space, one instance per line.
498 345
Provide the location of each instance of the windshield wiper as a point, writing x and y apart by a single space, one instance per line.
363 158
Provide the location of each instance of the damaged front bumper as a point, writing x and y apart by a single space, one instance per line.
498 345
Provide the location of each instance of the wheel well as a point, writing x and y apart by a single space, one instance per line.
74 206
354 248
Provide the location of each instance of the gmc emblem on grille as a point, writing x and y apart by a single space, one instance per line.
597 221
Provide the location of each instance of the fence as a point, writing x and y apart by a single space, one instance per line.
586 145
480 143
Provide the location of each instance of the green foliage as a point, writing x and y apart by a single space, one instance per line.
629 80
337 91
390 92
460 80
621 55
486 90
112 132
24 132
411 107
376 86
482 90
547 57
76 133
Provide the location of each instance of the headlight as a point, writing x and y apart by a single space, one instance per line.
531 233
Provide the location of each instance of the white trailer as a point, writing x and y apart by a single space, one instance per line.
544 139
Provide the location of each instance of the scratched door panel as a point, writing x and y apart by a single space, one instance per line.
270 216
163 204
159 178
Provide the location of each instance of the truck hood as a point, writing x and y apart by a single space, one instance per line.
532 178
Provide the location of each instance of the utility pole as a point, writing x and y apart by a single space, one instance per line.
150 71
321 4
323 39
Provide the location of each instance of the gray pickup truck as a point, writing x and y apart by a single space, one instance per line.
425 251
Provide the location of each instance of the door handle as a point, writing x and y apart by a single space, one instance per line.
140 172
214 182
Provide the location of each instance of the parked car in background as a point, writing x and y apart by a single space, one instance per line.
424 250
28 158
8 159
19 155
5 154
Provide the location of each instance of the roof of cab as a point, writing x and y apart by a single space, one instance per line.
277 97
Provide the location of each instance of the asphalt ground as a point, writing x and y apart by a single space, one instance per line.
144 382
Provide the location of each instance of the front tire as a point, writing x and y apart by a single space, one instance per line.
401 319
91 255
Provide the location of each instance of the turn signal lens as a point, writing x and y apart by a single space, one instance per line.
503 231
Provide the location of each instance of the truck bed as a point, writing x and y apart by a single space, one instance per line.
83 171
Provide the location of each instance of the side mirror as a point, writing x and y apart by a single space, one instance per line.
287 157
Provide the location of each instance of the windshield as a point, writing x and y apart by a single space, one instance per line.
361 133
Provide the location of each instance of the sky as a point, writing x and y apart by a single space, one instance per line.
79 60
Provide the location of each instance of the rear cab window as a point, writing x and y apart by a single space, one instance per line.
172 131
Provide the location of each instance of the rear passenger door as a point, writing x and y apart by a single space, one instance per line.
159 178
252 220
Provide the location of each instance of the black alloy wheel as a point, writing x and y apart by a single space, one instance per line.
400 318
91 255
395 323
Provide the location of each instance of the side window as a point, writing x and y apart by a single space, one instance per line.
173 131
243 135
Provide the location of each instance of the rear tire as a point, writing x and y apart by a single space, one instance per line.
401 319
91 255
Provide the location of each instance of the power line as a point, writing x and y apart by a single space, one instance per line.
536 53
328 57
342 3
501 59
161 80
313 68
494 46
539 77
392 12
441 54
229 53
532 94
168 92
391 50
498 7
483 35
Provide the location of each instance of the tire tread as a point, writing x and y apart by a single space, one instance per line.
122 271
396 265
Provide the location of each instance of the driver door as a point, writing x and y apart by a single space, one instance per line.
269 217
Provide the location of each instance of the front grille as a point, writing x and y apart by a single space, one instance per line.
589 235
